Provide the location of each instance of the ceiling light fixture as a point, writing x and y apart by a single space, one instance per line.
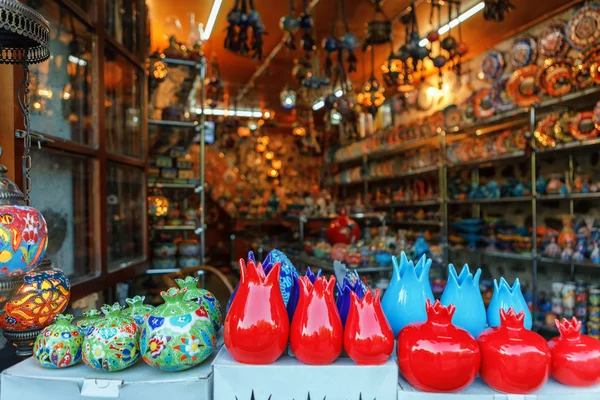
210 24
461 18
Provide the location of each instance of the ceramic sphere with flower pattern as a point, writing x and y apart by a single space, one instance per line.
138 310
59 345
178 334
88 319
203 297
111 343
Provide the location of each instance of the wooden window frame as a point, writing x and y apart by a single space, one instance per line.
11 120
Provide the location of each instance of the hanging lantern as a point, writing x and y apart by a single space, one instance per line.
289 24
243 131
288 99
371 97
276 164
299 131
392 70
158 70
158 206
379 29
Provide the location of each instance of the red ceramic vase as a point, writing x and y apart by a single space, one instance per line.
343 229
513 359
436 356
256 328
316 334
575 357
368 336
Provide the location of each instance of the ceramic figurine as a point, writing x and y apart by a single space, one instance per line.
506 297
513 358
368 336
256 328
59 345
111 343
540 185
567 234
23 231
344 291
44 294
580 250
595 254
552 250
178 334
316 333
295 295
137 310
436 356
404 300
575 357
567 252
88 319
203 297
463 292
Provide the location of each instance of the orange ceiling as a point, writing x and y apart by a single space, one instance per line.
236 70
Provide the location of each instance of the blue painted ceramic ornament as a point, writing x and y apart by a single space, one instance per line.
295 294
463 292
331 44
305 21
289 23
506 297
404 300
349 41
344 295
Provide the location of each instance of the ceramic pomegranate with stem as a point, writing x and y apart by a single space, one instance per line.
513 359
368 336
316 333
256 328
435 355
204 298
575 357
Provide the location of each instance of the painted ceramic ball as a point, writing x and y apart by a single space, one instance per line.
433 36
88 319
286 275
59 345
44 294
349 41
111 343
449 43
331 44
305 21
178 334
289 23
138 310
439 61
23 239
204 298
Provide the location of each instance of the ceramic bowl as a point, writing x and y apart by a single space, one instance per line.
162 263
189 248
166 249
188 262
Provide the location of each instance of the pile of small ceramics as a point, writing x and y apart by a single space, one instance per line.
486 147
491 234
574 300
460 189
419 190
403 165
577 241
178 253
177 335
456 330
561 184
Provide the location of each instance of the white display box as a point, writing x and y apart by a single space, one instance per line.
288 379
28 381
478 390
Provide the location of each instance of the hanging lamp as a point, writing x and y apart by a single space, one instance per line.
371 97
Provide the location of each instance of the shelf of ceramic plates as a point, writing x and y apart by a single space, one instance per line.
482 162
575 145
497 200
415 172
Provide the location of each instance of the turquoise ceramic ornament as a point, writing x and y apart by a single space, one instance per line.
506 297
59 345
404 300
137 309
178 334
463 292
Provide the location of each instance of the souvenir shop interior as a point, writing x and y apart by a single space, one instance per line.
224 195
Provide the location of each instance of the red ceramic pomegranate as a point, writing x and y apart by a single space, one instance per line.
343 229
575 357
316 334
256 328
513 359
436 356
368 336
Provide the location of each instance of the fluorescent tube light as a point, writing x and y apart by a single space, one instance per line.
339 93
456 21
210 24
318 105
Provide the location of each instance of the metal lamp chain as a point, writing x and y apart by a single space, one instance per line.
24 99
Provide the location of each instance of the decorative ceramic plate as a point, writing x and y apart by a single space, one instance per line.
583 29
467 109
552 42
524 52
544 131
492 65
591 65
582 126
597 115
561 128
554 77
482 104
499 95
452 115
522 88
